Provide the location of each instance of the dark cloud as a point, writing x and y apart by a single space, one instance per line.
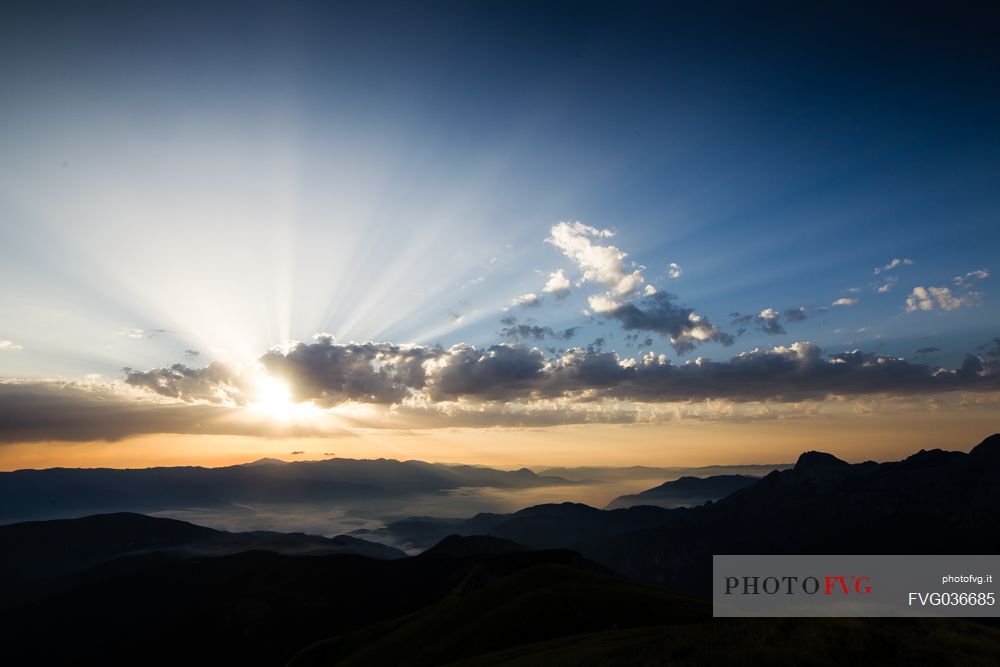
191 354
500 372
502 383
926 350
783 374
43 411
215 383
658 313
769 321
515 332
329 373
795 314
991 349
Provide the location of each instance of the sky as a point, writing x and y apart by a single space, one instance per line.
504 233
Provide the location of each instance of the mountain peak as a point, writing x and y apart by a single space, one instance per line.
266 461
819 463
988 448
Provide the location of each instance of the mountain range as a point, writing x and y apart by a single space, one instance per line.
934 501
65 492
685 491
554 584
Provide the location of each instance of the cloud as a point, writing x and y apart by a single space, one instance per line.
845 302
674 270
796 314
10 346
926 350
498 372
529 300
524 332
927 298
557 285
500 384
769 322
329 373
130 332
682 326
39 411
893 263
793 373
969 280
604 264
215 383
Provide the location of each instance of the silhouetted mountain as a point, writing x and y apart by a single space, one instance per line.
534 604
254 607
540 526
474 545
931 502
612 473
685 492
63 492
130 588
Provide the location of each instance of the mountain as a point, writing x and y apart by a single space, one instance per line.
534 604
133 588
37 554
541 526
495 590
685 491
63 492
617 473
932 502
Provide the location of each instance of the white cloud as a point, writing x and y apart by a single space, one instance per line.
769 314
600 303
603 264
927 298
129 332
893 263
882 289
969 279
674 270
845 302
9 346
526 300
649 291
557 284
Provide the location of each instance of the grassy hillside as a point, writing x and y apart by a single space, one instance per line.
535 604
767 642
556 616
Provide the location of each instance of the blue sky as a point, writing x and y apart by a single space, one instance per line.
178 179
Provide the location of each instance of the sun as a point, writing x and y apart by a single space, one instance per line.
274 398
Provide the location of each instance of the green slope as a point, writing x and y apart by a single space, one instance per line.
532 605
767 642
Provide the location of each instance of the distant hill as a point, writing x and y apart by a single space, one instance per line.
685 492
615 473
69 492
541 526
